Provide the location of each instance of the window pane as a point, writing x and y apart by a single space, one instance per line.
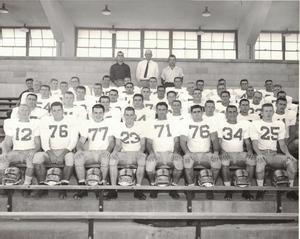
206 54
6 51
276 37
264 37
82 52
35 51
206 45
94 43
162 35
95 34
20 34
47 34
83 33
8 42
36 33
134 53
217 54
150 34
229 37
269 46
178 44
161 53
83 42
134 44
276 55
106 34
228 45
276 46
106 43
291 55
122 44
8 33
230 55
162 43
106 52
178 53
191 44
122 35
42 43
94 52
191 54
217 45
19 51
178 35
206 37
134 35
217 36
191 36
46 51
150 43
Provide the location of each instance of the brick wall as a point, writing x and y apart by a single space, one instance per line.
14 71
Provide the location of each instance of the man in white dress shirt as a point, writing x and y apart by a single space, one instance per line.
146 69
170 72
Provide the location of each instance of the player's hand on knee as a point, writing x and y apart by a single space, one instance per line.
215 157
188 158
114 155
291 158
250 155
105 154
225 156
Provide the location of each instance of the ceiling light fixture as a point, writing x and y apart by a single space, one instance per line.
200 32
106 11
206 13
24 28
3 9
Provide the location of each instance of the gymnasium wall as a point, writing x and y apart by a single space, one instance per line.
13 72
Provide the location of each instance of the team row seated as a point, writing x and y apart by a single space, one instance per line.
150 145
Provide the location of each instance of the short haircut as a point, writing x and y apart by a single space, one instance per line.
171 91
268 81
258 92
129 108
250 86
243 80
129 83
160 86
277 85
221 80
197 107
105 76
266 105
75 77
98 106
172 55
104 97
138 95
120 52
63 82
45 86
225 92
53 79
99 84
178 77
196 89
29 79
32 94
56 103
162 103
176 101
69 93
221 84
281 92
244 100
114 90
81 87
281 99
146 87
209 102
231 107
199 81
153 78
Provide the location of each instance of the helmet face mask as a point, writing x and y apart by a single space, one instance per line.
53 177
241 178
93 176
12 176
126 177
280 178
205 178
163 177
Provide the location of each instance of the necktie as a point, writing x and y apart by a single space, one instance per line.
146 70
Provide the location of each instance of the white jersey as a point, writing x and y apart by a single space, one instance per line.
78 112
113 114
22 133
56 93
149 104
46 103
58 134
255 109
120 105
216 118
187 106
144 114
162 133
97 133
36 113
267 133
238 93
86 104
88 91
266 93
131 137
288 118
198 134
249 117
232 135
216 98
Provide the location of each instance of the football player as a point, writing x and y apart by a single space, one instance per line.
141 112
70 109
112 113
21 142
55 91
59 135
238 93
265 134
244 107
221 106
268 91
146 95
35 112
232 136
46 100
256 103
163 147
129 151
95 145
195 141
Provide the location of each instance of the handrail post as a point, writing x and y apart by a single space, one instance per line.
91 229
189 201
101 206
278 202
9 200
198 230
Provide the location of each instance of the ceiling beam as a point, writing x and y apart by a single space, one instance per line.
250 27
61 25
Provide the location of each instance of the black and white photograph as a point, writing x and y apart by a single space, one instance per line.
149 119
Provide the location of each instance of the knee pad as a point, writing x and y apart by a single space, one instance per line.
178 162
188 162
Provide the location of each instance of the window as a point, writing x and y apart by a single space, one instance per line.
129 42
41 43
185 45
218 45
269 46
158 42
12 42
292 46
94 43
